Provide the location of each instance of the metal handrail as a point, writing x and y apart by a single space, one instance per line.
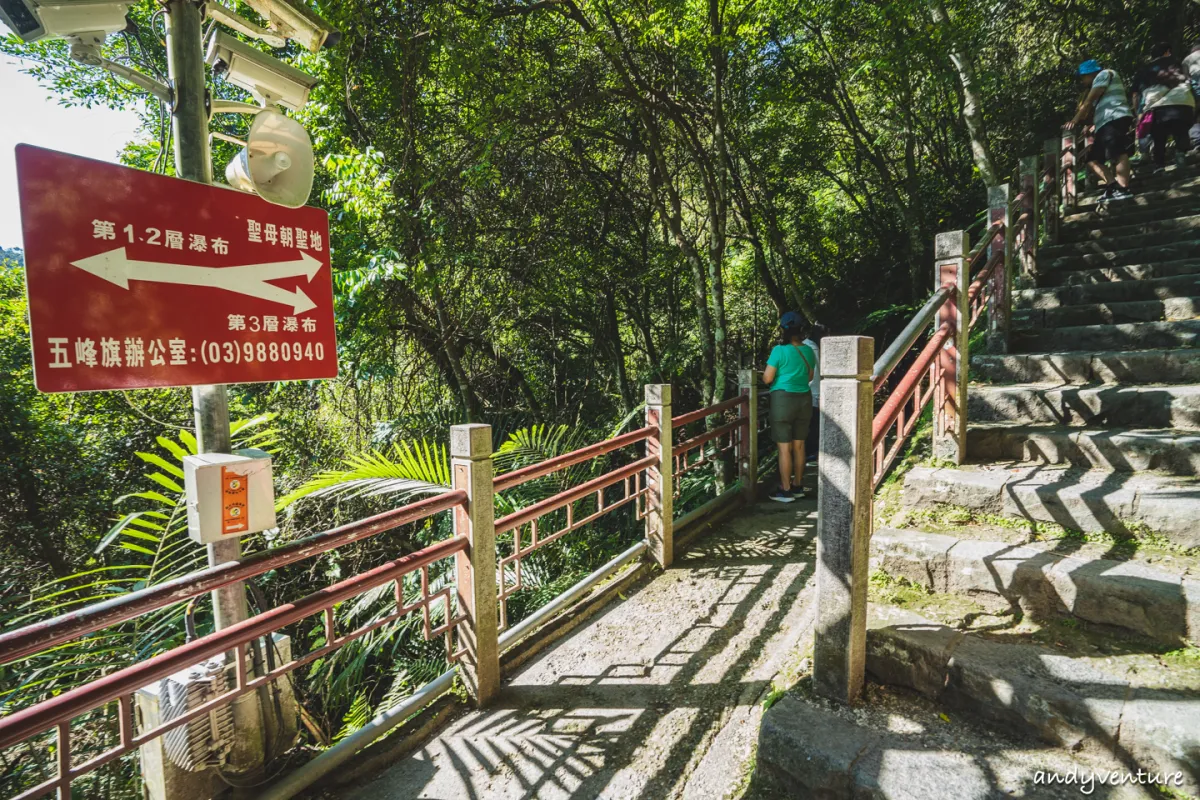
530 513
31 639
891 409
701 413
59 711
515 478
891 358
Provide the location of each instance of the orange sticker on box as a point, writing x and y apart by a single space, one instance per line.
235 496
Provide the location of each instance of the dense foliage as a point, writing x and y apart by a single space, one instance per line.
537 207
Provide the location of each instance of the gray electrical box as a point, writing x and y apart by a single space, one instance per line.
228 494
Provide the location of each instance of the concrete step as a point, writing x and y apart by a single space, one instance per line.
1071 702
1091 257
1125 241
1172 309
1115 229
1095 276
1124 336
1126 291
1176 407
1094 501
1130 212
1154 603
897 745
1105 366
1118 449
1148 195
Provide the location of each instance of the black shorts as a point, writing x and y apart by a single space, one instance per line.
1112 141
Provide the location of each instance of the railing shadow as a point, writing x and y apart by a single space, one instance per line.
623 707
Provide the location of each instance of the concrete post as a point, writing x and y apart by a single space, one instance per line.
660 478
748 382
844 500
1000 298
1066 162
1050 157
950 390
1029 231
471 471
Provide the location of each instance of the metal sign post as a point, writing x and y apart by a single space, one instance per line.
193 162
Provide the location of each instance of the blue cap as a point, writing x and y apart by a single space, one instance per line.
1089 67
791 320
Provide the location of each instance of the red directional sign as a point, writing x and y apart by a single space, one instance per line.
138 280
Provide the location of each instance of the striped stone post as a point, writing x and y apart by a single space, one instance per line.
844 516
1066 186
471 471
950 390
748 382
1029 189
660 500
1050 156
1000 296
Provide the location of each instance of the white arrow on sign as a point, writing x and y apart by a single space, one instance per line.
251 279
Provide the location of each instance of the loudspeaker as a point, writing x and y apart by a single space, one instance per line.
277 163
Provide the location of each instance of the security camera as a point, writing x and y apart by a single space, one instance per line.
294 19
88 21
270 80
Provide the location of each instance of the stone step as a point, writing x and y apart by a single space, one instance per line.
1129 212
1125 257
1133 272
1115 229
1106 366
1055 297
1150 602
1172 309
1070 702
1124 336
1116 503
1118 449
1147 196
898 746
1176 407
1125 241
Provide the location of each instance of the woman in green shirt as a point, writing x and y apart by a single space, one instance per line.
788 372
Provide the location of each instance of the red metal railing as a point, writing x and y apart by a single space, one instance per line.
634 486
55 715
726 440
896 420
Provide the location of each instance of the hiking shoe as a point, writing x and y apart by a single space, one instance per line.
782 495
1121 194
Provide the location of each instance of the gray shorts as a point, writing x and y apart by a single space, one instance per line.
791 413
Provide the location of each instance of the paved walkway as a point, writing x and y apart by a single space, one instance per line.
658 697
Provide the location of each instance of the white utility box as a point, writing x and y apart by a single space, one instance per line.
229 494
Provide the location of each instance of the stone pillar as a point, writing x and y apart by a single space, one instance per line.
660 478
1000 297
471 471
1029 230
748 383
1066 162
844 501
1050 157
950 390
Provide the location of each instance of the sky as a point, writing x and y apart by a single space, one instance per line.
32 115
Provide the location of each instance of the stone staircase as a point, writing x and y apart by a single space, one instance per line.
1043 601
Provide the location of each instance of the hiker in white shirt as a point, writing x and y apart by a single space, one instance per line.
1164 85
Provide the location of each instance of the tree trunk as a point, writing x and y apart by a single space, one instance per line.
972 107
